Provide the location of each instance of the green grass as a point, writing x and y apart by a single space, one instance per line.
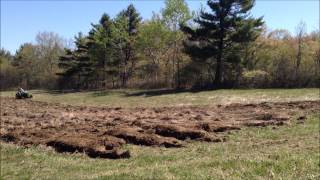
287 152
121 98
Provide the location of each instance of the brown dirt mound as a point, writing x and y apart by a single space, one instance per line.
101 131
217 127
89 146
139 137
182 133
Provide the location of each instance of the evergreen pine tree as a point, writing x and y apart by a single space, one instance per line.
126 24
217 37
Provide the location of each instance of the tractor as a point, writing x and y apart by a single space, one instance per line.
22 94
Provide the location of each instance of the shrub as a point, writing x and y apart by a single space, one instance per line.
255 79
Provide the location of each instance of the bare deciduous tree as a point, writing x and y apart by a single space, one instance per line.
300 34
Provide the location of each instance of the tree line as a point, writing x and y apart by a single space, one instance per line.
220 46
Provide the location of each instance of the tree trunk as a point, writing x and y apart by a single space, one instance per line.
167 73
220 63
299 54
173 69
219 67
178 73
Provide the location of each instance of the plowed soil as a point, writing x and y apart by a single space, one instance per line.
101 131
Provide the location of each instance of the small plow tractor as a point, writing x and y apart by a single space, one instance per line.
22 94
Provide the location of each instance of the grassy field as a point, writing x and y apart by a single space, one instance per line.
134 98
286 152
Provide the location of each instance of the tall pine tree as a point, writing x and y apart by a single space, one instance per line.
125 35
220 32
101 49
77 64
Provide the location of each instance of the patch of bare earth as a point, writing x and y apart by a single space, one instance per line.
101 131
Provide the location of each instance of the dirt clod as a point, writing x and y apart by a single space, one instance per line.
8 138
179 132
89 146
138 137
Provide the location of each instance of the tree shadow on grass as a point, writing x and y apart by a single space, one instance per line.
109 92
55 92
159 92
93 93
124 93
